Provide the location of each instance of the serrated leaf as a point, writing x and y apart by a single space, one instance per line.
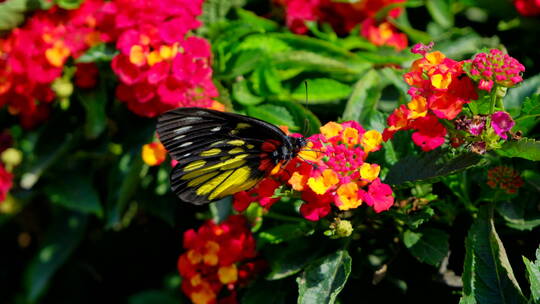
519 214
12 14
244 96
488 276
310 61
363 101
64 235
427 245
529 116
321 90
287 259
526 148
75 192
516 96
430 165
324 279
277 115
533 274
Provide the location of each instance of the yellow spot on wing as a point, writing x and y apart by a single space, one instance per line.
234 183
201 179
194 165
236 142
250 146
236 151
242 125
213 183
231 163
217 143
210 152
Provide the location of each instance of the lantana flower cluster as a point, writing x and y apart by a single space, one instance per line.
344 16
32 57
528 8
504 178
440 87
497 68
160 66
219 259
332 171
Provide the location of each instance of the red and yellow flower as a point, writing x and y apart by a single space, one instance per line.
219 259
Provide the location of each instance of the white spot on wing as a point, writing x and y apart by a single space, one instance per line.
216 129
187 143
191 118
179 137
186 155
182 129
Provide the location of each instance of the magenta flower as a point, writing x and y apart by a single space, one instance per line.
502 122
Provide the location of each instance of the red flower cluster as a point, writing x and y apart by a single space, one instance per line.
439 89
495 68
383 34
341 15
528 8
218 256
33 56
160 68
332 170
504 178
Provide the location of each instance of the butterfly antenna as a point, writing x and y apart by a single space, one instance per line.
306 121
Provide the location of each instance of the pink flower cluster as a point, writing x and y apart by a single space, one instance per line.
33 56
160 66
497 68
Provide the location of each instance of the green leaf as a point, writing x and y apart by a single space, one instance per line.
324 279
251 18
526 148
69 4
66 231
530 114
274 114
123 181
244 96
99 53
152 297
441 12
243 62
75 191
216 10
285 232
12 14
516 96
94 102
302 117
313 62
269 81
395 77
221 209
321 90
362 103
287 259
433 164
427 245
488 276
533 274
314 45
415 218
519 213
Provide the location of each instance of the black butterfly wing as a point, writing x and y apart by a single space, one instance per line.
218 153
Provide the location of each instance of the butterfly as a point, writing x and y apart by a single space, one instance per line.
219 153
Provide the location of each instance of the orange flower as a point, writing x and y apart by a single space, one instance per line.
153 154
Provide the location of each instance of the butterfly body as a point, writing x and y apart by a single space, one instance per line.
221 153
